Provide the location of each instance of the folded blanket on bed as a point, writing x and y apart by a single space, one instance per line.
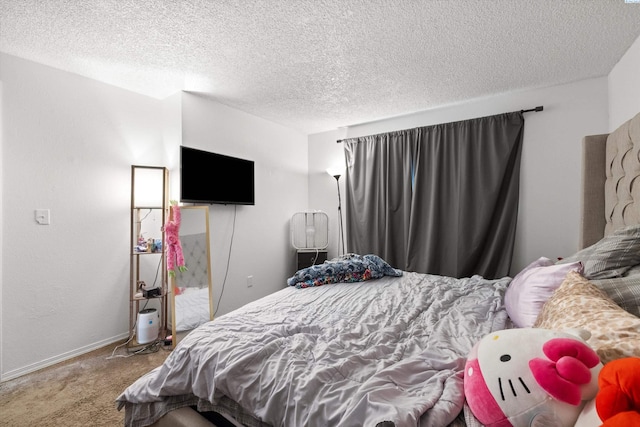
345 269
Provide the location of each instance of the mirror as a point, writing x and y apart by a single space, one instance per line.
192 290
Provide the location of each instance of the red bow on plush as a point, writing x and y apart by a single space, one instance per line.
568 368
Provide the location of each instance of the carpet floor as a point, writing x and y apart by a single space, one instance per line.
77 392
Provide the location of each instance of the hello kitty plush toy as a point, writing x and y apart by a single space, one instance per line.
175 258
531 377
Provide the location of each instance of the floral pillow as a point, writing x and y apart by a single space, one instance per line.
579 304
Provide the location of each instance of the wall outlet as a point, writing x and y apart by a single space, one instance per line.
43 216
249 281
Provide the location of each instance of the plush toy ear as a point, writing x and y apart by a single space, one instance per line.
618 401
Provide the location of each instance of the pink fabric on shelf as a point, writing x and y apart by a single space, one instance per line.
175 257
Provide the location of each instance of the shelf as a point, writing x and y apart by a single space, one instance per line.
150 298
147 207
149 211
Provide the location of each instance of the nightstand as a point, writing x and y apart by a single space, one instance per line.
310 257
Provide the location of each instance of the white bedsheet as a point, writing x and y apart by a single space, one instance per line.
192 308
387 352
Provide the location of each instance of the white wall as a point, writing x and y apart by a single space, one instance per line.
68 144
1 220
325 152
550 175
624 87
261 244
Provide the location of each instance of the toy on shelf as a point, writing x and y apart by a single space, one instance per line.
175 258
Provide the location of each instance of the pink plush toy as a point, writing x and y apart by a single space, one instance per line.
531 377
175 258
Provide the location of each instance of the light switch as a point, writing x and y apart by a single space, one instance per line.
43 216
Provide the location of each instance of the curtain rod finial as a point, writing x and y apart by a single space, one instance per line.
538 108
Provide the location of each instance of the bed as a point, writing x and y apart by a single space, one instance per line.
356 342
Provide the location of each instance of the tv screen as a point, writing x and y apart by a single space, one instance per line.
207 177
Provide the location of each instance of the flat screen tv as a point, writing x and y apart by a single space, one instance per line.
207 177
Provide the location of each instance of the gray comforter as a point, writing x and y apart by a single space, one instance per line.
386 352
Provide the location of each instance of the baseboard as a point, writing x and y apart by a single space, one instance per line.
10 375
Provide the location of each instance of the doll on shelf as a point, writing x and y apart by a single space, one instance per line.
175 258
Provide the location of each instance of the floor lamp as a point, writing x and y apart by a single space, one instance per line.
337 173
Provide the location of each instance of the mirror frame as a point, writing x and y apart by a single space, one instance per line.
174 279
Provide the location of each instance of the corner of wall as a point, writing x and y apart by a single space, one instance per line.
624 87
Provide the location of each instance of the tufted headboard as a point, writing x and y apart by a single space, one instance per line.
610 181
195 258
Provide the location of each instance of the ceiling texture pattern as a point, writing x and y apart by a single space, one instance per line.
315 65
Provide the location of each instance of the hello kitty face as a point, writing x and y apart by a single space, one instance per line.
516 375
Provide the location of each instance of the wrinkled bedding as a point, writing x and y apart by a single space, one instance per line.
387 352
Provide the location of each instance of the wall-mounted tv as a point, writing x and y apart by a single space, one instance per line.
207 177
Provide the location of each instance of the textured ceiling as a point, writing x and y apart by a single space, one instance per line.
316 65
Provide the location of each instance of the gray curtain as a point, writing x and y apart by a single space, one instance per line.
438 199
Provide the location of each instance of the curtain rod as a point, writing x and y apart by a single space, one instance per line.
536 109
539 108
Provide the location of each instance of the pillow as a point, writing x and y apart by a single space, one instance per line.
612 256
529 290
633 271
579 304
624 291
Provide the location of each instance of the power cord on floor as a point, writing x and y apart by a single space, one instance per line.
152 347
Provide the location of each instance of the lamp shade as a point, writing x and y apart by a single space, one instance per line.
148 188
336 171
